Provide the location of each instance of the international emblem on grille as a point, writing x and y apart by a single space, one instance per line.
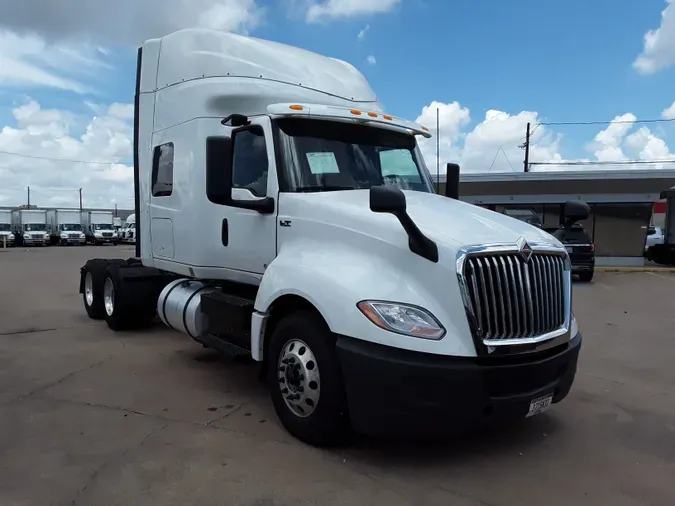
524 249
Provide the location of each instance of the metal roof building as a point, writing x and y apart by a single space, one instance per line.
621 202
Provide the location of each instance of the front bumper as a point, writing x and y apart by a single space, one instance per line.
36 242
400 393
72 240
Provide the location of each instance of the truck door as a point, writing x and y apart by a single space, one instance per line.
249 237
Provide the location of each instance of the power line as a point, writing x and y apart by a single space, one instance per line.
58 159
598 162
617 122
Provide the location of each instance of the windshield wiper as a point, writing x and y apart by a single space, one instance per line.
321 188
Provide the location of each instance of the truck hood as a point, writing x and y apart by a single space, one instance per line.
449 222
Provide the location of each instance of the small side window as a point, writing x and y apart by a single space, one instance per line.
249 161
162 170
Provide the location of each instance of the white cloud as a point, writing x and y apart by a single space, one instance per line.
495 144
362 33
371 59
39 133
128 21
29 61
658 51
669 112
335 9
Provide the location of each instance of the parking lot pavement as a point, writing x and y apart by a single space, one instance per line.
91 417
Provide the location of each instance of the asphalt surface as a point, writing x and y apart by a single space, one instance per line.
91 417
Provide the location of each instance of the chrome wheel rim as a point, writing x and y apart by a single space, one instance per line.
299 380
109 296
89 289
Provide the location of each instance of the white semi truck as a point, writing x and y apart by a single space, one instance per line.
65 227
98 227
7 237
283 214
30 227
127 233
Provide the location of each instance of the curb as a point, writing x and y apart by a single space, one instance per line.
635 269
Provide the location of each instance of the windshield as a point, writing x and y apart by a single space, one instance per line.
102 226
35 227
5 227
71 227
327 155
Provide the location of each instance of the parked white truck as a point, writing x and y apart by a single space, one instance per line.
98 227
282 213
64 227
7 237
30 227
127 234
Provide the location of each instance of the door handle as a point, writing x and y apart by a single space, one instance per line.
224 232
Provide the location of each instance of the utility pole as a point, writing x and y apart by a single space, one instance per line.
438 151
80 190
526 162
29 197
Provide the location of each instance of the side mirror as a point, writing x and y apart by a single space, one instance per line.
219 178
452 181
390 199
387 199
574 211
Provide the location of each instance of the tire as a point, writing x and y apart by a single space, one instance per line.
586 276
92 295
323 421
126 307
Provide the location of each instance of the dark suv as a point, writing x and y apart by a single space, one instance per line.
580 248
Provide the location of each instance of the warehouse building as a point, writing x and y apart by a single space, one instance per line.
622 203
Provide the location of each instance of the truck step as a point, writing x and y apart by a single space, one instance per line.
229 318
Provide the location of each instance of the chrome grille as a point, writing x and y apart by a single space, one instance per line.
508 298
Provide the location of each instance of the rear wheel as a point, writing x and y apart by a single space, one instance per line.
586 276
127 307
92 293
305 379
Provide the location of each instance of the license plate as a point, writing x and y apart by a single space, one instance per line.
539 405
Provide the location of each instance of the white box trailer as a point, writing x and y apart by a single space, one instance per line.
98 227
7 237
65 227
303 229
30 227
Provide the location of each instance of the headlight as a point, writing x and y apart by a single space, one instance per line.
81 235
26 236
64 236
402 319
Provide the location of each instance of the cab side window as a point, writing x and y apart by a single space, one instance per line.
162 170
249 161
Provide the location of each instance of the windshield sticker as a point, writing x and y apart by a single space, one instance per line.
323 163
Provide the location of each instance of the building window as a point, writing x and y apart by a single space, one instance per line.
162 170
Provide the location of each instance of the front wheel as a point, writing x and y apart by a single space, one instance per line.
305 380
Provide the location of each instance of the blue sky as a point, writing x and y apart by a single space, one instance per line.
530 60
